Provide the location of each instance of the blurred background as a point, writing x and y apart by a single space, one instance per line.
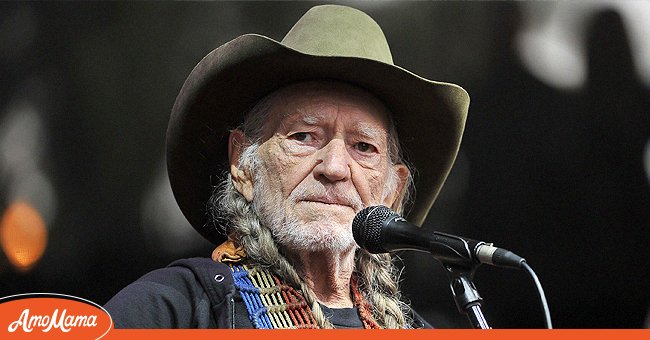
555 162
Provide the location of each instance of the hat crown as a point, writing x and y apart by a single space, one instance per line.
340 31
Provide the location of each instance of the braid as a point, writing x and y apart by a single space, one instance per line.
378 281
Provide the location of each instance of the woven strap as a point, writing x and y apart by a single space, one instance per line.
271 304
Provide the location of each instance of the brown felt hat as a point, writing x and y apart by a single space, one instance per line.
329 42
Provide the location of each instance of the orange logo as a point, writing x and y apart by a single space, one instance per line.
52 316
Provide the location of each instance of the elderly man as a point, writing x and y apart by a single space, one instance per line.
273 147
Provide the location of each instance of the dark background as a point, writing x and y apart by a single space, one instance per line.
553 171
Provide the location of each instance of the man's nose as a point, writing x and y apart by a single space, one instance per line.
333 161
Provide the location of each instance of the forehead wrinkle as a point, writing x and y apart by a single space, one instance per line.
310 118
314 116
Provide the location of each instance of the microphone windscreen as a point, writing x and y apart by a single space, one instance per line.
367 225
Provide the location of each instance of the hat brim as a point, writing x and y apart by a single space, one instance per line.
429 116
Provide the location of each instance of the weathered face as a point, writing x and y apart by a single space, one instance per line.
324 157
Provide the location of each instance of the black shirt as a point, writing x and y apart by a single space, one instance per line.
343 317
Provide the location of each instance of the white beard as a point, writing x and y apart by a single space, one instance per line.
321 235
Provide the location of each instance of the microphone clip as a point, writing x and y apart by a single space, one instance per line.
468 301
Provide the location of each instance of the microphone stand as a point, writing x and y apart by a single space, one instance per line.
466 295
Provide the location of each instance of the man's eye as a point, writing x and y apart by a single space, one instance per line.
365 147
300 136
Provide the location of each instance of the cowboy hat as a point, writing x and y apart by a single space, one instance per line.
329 42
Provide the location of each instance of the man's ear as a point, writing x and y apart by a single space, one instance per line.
241 178
394 199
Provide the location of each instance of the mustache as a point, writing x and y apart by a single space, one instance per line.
329 194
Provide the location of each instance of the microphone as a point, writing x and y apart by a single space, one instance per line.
380 230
